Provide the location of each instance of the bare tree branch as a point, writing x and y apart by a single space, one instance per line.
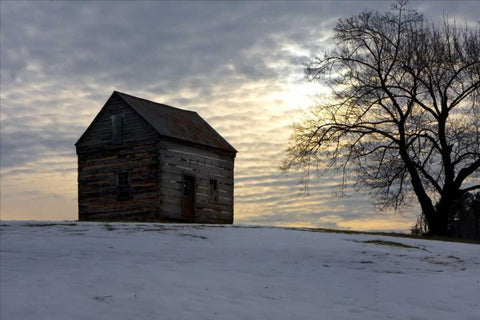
403 115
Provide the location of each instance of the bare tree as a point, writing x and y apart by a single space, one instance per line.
404 115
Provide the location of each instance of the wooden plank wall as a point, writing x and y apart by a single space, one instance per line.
135 129
99 160
177 159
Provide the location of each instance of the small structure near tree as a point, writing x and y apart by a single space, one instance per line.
144 161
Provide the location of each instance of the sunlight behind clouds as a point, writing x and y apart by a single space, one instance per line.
239 65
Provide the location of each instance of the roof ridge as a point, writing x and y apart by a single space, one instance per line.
151 101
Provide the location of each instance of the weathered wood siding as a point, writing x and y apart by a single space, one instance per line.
99 160
179 159
135 129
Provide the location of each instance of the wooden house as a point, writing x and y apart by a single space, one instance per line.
144 161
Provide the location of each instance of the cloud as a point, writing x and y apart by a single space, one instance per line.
239 64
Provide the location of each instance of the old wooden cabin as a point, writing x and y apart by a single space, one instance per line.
144 161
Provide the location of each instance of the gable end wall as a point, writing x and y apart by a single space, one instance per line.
99 160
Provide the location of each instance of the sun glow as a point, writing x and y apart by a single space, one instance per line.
249 88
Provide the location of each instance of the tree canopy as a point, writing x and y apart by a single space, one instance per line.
403 118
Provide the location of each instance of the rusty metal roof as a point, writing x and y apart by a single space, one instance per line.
177 123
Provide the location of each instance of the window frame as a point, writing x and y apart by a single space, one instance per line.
117 128
123 189
213 194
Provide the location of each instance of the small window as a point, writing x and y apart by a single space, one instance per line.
117 128
213 194
124 190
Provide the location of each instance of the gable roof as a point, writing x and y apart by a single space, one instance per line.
176 123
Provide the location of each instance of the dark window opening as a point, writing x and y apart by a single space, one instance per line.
117 128
213 194
124 190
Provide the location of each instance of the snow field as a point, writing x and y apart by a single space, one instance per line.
62 270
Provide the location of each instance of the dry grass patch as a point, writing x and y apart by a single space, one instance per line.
391 244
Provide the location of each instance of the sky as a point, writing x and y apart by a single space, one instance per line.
238 64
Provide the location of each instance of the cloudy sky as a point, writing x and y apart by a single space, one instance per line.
238 64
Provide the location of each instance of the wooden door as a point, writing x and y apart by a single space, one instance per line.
188 205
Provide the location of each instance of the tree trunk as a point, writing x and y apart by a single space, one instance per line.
445 211
438 222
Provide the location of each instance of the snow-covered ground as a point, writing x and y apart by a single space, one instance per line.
162 271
